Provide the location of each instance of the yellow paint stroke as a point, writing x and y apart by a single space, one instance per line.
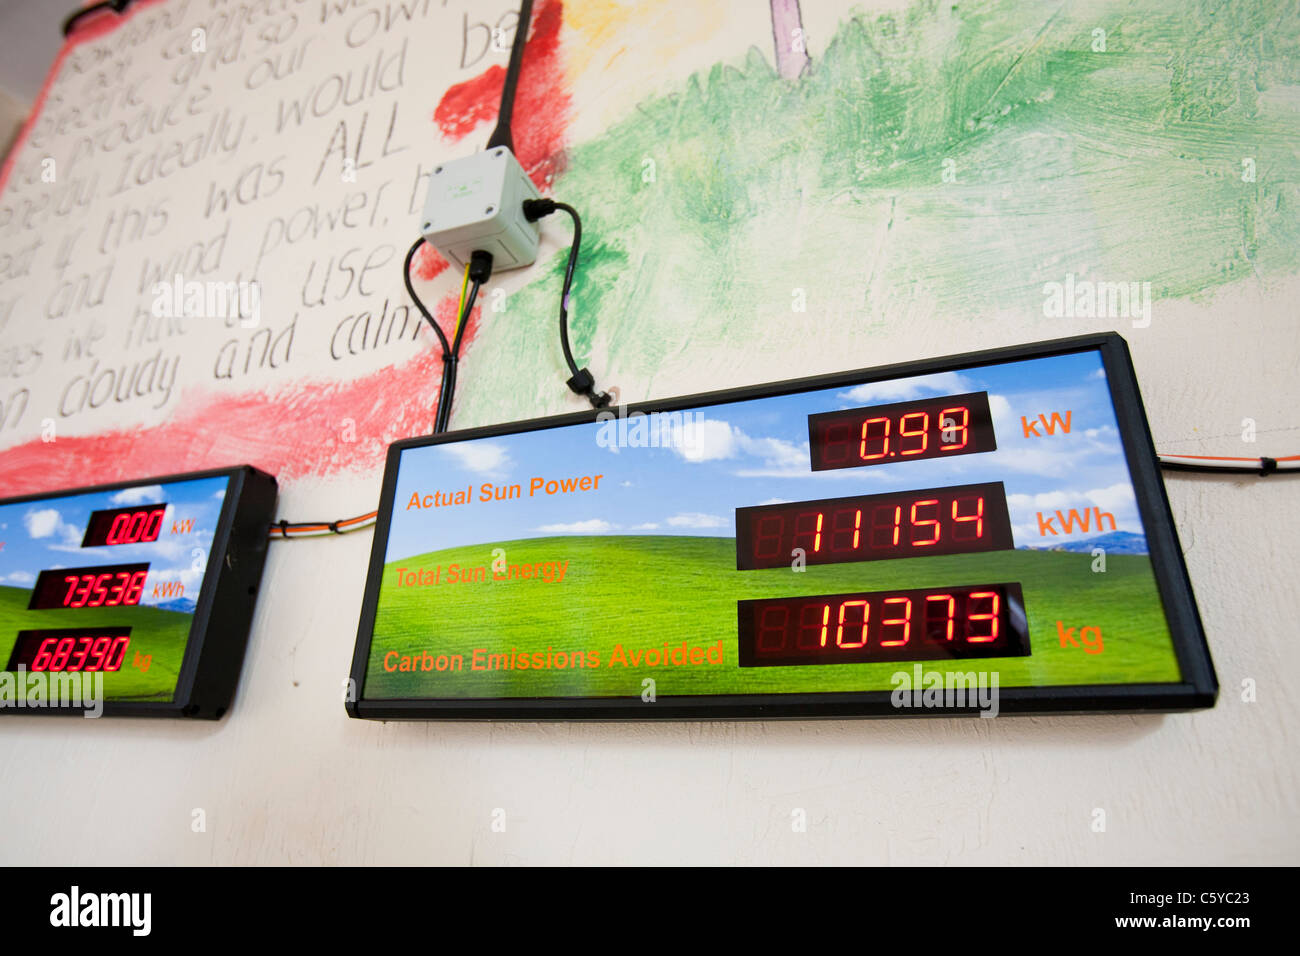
643 36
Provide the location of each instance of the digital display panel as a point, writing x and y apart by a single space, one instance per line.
955 520
71 649
108 585
984 620
135 525
902 431
99 586
721 555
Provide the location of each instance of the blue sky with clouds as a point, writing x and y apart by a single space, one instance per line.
756 452
42 535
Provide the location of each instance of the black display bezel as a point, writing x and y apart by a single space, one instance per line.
1198 687
214 650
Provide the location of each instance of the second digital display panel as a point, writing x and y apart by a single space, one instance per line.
954 520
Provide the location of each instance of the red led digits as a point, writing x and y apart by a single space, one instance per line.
846 529
990 617
902 431
921 518
952 432
917 429
940 616
822 617
968 517
808 531
104 586
90 590
886 526
68 650
951 520
854 614
896 638
134 588
873 446
137 525
915 624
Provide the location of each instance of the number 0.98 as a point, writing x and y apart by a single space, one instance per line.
913 435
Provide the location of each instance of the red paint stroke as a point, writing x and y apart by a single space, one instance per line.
542 100
91 28
294 432
429 263
467 104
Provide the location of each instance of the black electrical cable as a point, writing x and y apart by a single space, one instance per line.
501 135
568 284
410 290
582 382
452 360
450 353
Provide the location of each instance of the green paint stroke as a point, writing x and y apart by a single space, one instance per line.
1124 165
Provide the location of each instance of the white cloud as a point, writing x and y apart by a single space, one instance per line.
21 577
774 501
777 453
144 494
695 519
48 523
1000 412
903 389
1042 461
1118 496
590 526
707 440
648 526
712 440
1048 499
41 524
802 471
483 458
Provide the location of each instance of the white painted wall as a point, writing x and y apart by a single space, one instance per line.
288 778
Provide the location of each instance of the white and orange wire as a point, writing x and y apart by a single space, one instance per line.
1220 462
318 530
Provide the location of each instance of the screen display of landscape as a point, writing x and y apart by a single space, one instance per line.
813 542
108 582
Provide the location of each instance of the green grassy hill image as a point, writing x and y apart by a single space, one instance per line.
155 632
645 591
